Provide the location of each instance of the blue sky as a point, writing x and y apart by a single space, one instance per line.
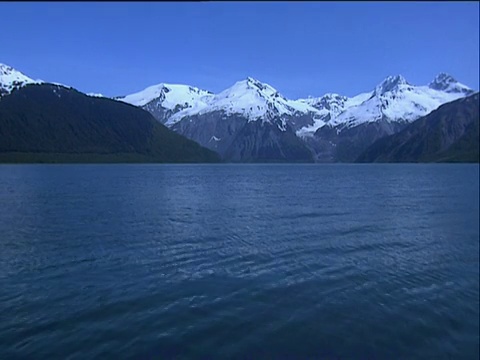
300 48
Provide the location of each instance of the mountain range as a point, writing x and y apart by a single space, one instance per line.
253 122
448 134
45 122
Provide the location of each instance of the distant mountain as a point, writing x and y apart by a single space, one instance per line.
11 79
448 134
332 127
395 100
42 122
253 122
249 121
165 100
392 105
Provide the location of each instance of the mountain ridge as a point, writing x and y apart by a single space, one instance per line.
326 109
44 122
332 127
449 133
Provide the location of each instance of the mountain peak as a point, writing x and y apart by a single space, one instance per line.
447 83
11 79
442 81
167 94
5 68
249 84
256 83
390 83
9 73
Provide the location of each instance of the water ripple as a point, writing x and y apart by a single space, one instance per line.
239 262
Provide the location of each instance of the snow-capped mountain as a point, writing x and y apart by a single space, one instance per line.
447 83
385 110
246 122
449 133
216 120
252 121
329 107
164 100
11 79
396 100
250 99
170 95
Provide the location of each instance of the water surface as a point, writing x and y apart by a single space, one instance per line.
239 261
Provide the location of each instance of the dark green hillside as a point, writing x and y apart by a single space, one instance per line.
448 134
50 123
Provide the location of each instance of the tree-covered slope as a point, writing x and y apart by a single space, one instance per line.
51 123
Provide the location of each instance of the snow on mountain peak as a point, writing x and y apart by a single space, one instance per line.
251 84
397 100
249 97
390 83
447 83
169 95
252 99
11 79
442 81
394 99
444 78
253 81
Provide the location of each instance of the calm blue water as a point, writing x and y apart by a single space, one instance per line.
239 261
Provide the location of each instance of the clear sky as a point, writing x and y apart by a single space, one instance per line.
300 48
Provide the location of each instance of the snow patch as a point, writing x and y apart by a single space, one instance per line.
11 79
214 138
